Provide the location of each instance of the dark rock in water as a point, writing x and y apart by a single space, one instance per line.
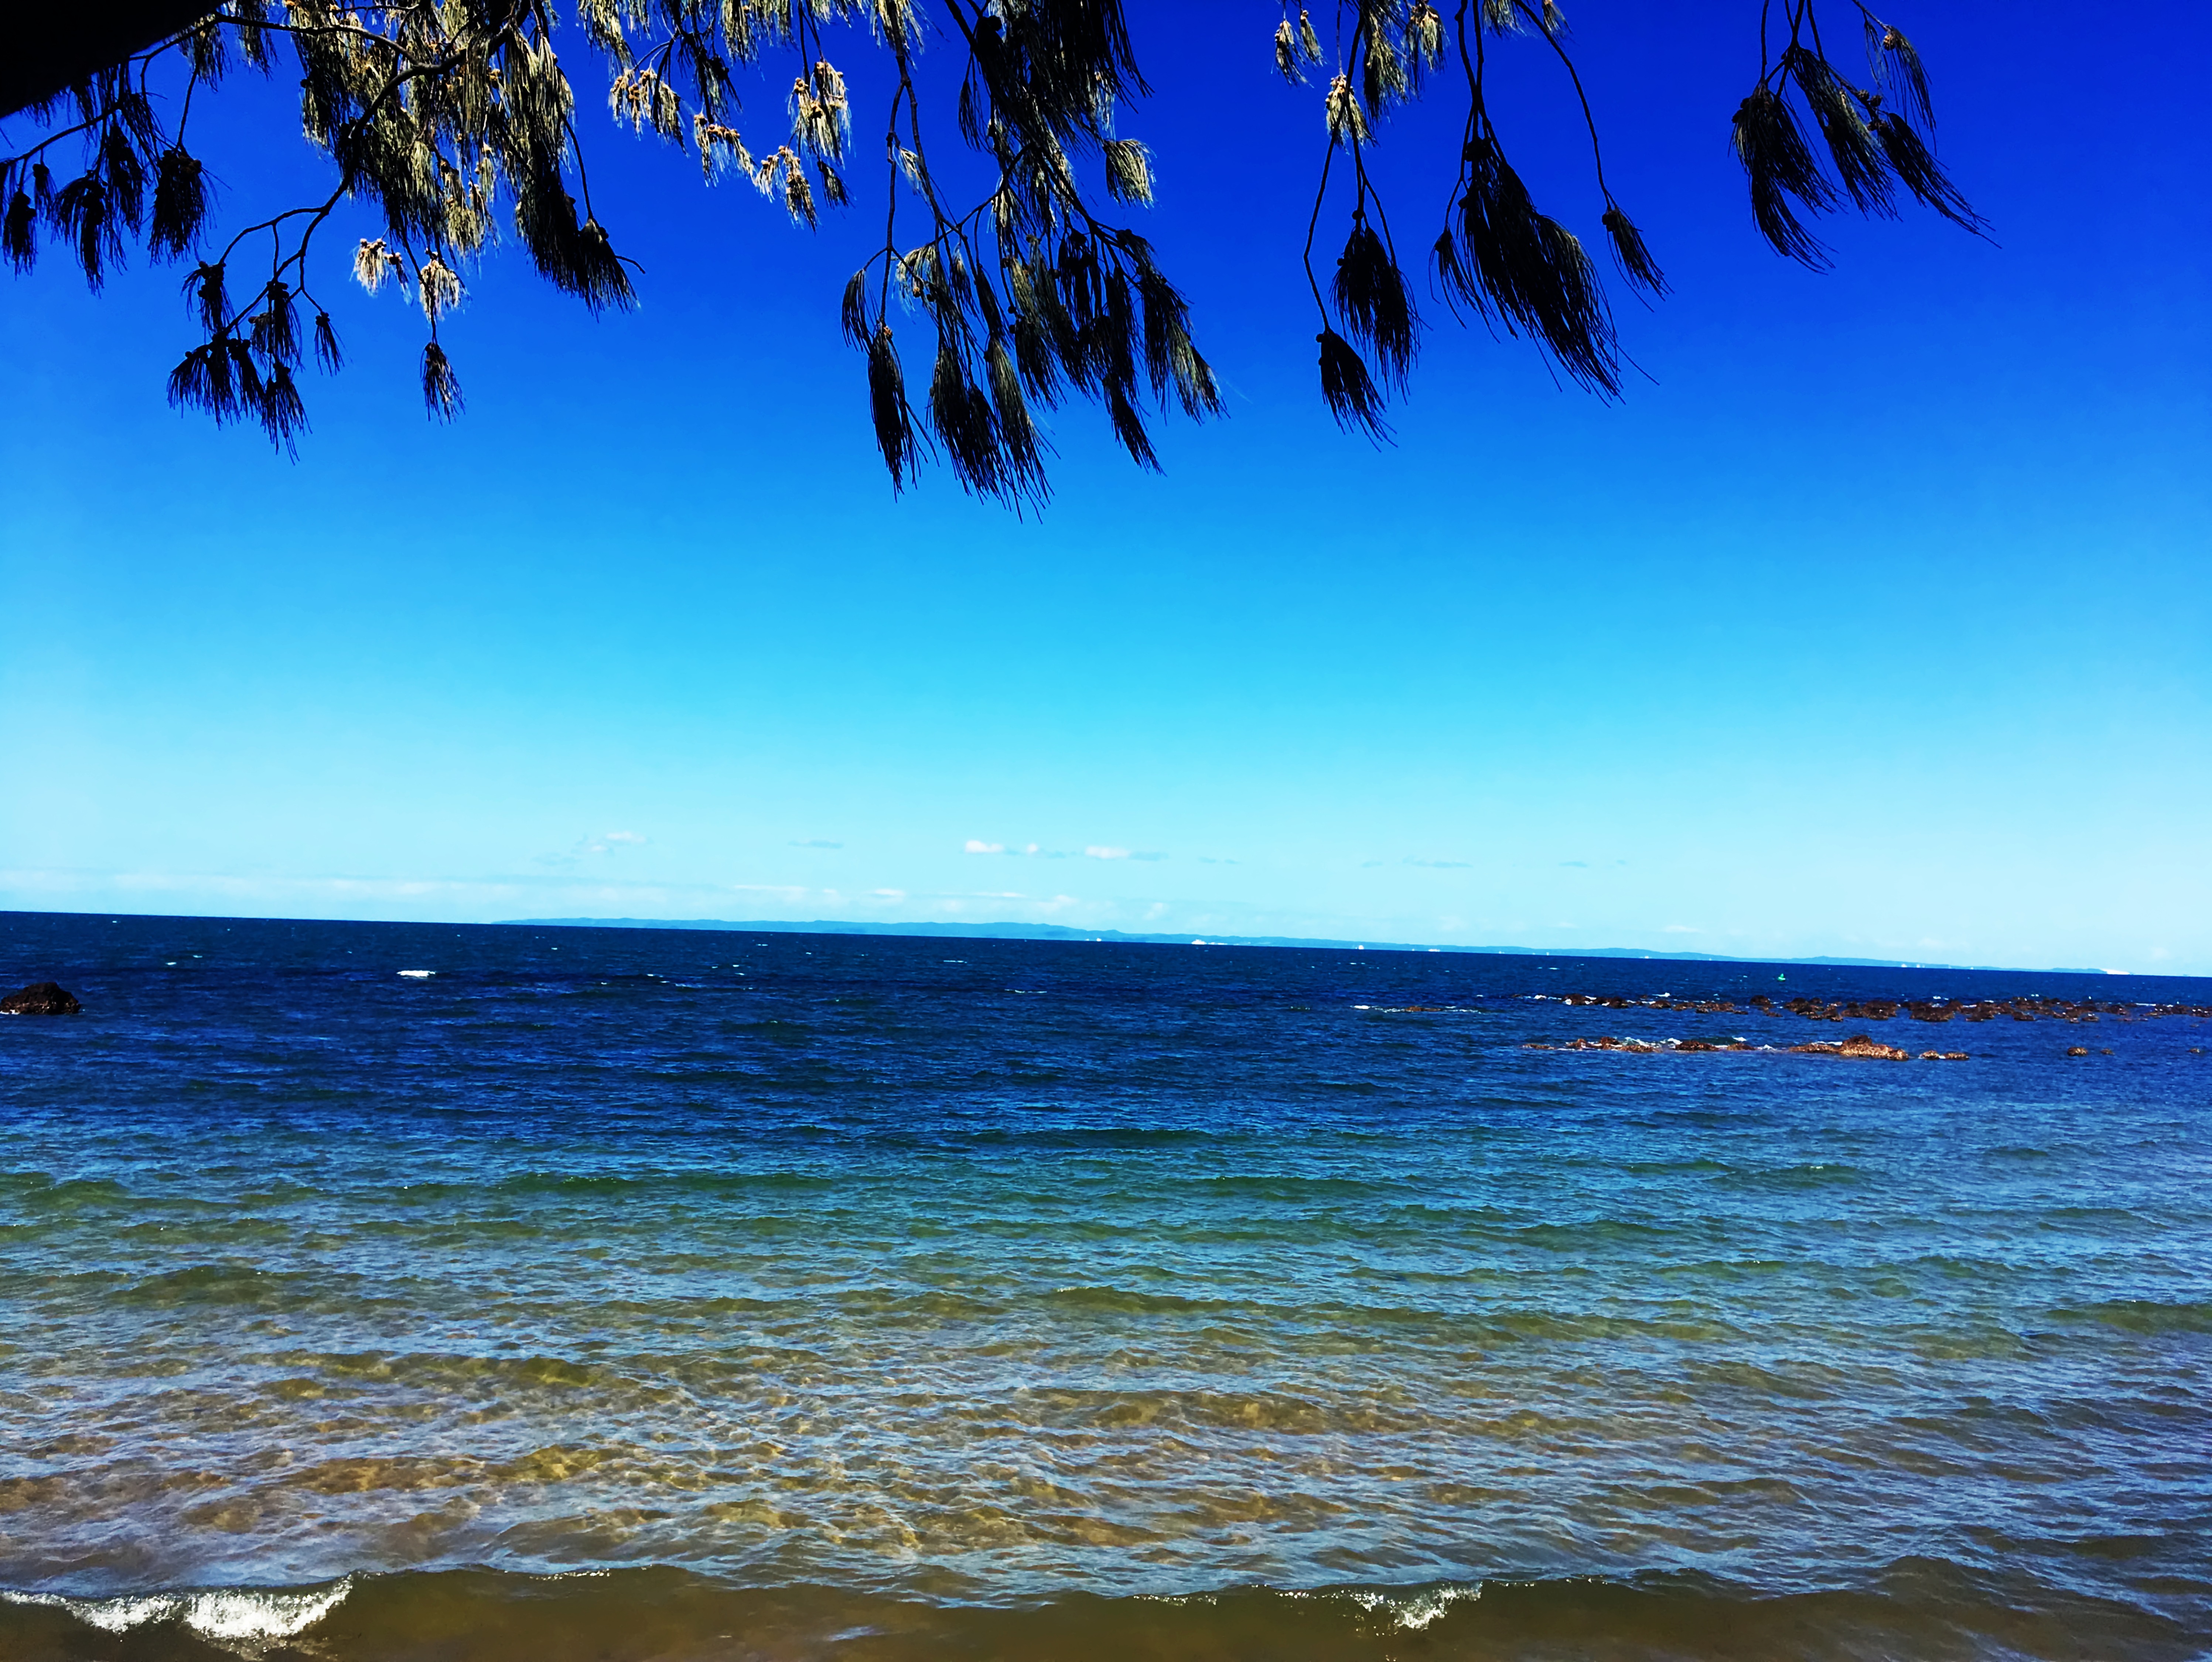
40 998
2077 1050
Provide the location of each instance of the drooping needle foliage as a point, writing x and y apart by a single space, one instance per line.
1006 274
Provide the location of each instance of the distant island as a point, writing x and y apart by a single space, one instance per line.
1013 931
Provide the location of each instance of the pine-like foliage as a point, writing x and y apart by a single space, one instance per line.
455 125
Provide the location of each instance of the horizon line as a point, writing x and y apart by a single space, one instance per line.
1009 930
1012 931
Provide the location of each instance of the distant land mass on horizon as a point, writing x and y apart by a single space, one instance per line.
1013 931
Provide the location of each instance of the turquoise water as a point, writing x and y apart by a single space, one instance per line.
642 1294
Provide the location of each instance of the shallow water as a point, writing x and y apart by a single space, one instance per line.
654 1293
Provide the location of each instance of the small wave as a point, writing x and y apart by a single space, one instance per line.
1916 1608
1411 1615
2142 1316
242 1615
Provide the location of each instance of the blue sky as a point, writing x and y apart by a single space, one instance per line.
1875 621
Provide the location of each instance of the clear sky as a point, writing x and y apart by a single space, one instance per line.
1877 621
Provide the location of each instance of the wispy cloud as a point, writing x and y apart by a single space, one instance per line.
1445 865
1033 852
605 843
1585 865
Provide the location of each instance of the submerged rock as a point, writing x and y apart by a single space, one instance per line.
40 998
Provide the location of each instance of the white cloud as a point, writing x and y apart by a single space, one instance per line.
1036 852
602 844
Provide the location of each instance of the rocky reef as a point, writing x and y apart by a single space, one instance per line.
2024 1009
40 998
1859 1045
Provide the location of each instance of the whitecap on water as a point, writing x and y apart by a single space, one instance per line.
238 1616
1412 1614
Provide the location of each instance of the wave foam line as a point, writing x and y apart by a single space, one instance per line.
236 1614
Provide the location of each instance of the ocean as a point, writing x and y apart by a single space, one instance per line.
631 1295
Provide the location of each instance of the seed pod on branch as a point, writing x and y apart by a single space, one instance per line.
1897 68
274 330
961 416
1129 170
1852 147
1371 296
1631 254
1507 260
1347 122
179 204
283 414
1347 388
1780 166
889 409
205 286
441 388
1924 175
19 231
1022 471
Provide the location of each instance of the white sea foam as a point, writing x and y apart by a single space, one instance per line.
1412 1615
238 1615
109 1614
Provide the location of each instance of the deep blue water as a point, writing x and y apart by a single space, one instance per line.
882 1296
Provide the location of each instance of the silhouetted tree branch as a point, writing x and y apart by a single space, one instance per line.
455 119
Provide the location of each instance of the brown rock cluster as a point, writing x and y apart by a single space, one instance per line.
1857 1046
1862 1046
1642 1046
40 998
1885 1010
2024 1009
